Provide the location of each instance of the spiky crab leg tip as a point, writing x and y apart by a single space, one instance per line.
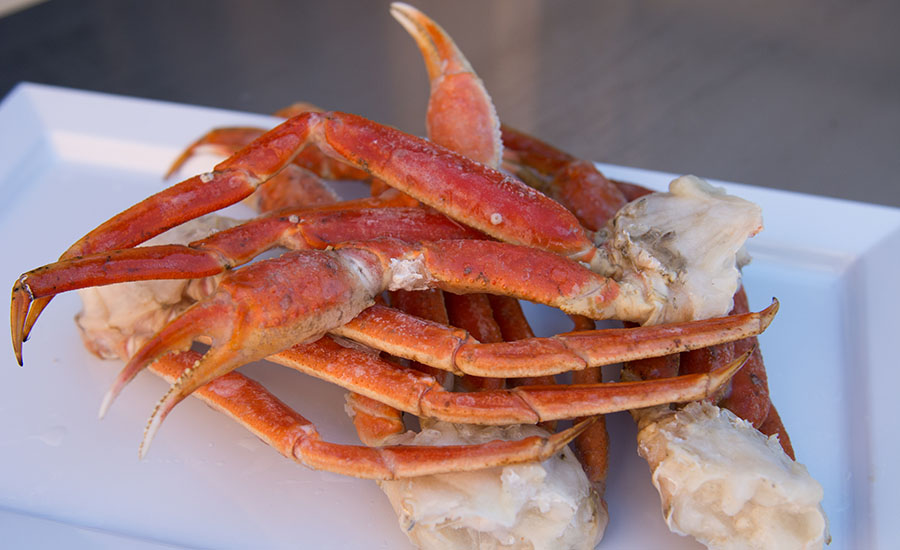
555 442
767 315
34 311
18 314
719 377
159 414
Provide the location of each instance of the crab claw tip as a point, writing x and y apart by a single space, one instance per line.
159 413
107 401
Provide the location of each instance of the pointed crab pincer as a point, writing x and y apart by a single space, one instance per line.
461 115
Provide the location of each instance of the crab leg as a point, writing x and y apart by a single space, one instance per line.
454 350
461 115
228 141
296 229
748 396
374 421
247 402
415 392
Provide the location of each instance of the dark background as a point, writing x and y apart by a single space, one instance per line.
801 95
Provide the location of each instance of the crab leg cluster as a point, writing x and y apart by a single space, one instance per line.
270 306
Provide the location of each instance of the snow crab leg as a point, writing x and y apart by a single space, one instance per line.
247 402
420 394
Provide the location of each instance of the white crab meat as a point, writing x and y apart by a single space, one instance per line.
682 249
537 506
726 484
117 319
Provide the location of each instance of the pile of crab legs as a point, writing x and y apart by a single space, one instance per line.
452 221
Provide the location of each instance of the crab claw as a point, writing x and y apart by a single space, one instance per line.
461 115
213 320
257 311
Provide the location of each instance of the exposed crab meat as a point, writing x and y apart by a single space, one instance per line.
536 506
682 248
726 484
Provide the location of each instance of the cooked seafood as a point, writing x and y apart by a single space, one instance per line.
314 308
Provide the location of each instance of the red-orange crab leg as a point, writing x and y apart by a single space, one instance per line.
461 115
592 446
415 392
748 397
322 227
251 405
454 350
467 191
293 229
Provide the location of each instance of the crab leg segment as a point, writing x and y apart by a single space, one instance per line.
296 229
417 393
455 351
247 402
461 115
257 311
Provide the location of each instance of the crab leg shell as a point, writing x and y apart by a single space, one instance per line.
592 446
247 402
229 183
427 305
462 118
473 313
256 311
417 393
473 266
748 396
469 192
461 115
454 350
267 306
294 229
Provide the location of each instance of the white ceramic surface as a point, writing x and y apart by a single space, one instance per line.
70 159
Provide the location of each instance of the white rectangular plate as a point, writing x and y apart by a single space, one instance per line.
69 160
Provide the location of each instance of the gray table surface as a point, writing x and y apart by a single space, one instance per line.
802 96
